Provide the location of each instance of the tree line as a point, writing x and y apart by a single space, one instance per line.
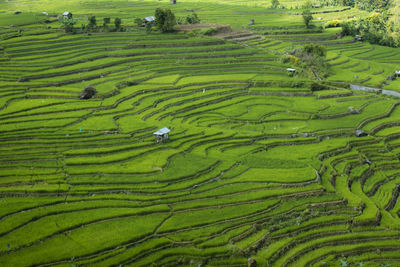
165 21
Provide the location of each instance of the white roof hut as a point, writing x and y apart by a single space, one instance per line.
291 72
361 133
149 19
162 135
67 14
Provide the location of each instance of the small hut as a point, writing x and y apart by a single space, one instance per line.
162 135
291 71
173 2
397 73
150 19
67 15
361 133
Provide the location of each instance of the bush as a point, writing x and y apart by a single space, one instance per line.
275 3
106 21
88 92
139 22
117 23
307 17
307 5
316 50
92 25
333 23
210 31
290 59
192 19
317 87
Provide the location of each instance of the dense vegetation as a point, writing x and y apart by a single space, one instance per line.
262 161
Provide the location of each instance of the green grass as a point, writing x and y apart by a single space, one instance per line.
257 165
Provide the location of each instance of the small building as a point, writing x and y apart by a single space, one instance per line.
397 73
291 71
361 133
150 19
67 15
173 2
162 135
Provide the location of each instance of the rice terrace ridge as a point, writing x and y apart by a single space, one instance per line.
199 133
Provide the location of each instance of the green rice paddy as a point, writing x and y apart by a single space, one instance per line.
257 165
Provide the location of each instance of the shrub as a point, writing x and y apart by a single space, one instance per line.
88 92
210 31
117 23
92 23
317 87
192 19
275 3
106 21
316 50
333 23
139 22
307 17
290 59
307 5
180 20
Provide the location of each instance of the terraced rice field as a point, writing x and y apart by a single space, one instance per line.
257 165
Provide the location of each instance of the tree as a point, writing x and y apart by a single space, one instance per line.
92 23
68 24
275 4
160 17
307 17
117 23
106 21
165 20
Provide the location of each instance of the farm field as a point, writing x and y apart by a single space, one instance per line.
258 164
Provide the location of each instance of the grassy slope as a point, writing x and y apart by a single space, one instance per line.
257 164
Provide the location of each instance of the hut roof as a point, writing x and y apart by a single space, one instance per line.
360 133
397 72
66 13
290 69
162 131
150 18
